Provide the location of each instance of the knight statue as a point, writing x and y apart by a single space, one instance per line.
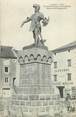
35 27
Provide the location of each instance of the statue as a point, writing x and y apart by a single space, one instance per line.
35 27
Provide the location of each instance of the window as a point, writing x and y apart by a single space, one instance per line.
74 92
6 80
55 64
69 76
55 77
6 69
69 62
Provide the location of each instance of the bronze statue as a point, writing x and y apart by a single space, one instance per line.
35 27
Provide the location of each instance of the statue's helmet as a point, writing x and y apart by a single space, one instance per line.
36 6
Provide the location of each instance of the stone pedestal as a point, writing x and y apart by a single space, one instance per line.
33 96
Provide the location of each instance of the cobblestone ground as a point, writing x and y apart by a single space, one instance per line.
60 111
71 114
68 114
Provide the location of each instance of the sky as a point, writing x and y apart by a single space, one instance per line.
61 29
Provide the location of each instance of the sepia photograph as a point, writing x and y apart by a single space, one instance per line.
37 58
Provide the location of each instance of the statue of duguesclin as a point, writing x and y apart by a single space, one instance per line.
35 27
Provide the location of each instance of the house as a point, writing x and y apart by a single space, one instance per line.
7 69
63 69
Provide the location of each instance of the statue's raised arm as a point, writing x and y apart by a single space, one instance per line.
27 20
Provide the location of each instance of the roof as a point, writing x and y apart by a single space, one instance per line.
66 47
7 52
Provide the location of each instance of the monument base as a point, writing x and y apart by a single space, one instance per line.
35 46
34 95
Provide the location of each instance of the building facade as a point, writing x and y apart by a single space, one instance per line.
7 69
63 69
